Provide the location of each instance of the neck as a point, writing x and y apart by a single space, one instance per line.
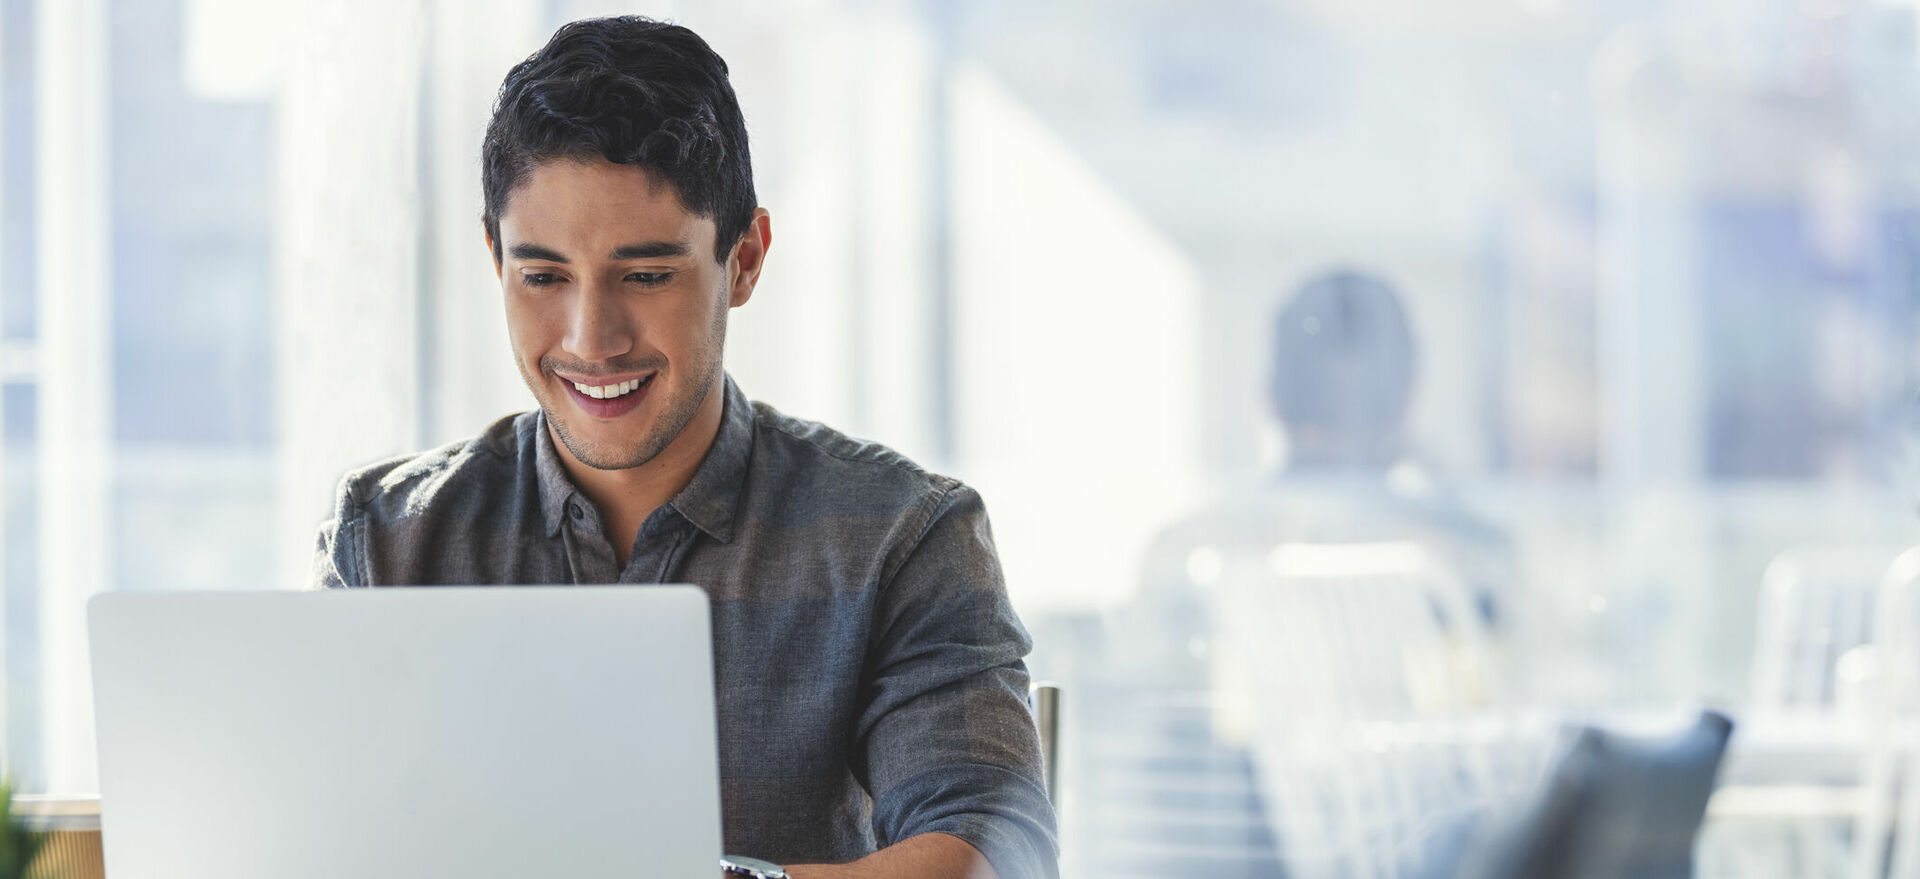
626 497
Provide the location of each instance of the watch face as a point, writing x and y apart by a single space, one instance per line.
758 869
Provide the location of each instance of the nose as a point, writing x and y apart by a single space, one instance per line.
597 327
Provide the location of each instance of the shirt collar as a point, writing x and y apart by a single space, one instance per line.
555 488
710 499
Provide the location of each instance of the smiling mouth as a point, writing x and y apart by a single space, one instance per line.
612 391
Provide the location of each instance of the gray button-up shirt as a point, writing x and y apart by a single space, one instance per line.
870 673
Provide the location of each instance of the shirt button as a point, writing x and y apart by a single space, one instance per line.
577 514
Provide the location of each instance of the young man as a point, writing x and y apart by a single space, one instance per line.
869 667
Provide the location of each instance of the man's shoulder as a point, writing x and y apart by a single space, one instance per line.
827 464
413 482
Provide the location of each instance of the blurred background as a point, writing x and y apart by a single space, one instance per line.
1450 369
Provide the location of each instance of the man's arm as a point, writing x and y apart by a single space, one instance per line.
927 856
944 741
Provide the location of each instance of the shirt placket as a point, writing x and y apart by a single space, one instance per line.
589 554
657 548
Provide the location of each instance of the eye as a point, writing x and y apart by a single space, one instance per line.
650 279
539 279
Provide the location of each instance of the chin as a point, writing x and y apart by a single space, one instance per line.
622 445
594 444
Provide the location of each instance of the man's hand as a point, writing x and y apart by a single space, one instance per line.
927 856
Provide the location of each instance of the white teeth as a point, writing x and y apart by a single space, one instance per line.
607 392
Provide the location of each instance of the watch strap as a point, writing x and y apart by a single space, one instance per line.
752 868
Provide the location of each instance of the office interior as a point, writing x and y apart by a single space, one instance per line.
1365 393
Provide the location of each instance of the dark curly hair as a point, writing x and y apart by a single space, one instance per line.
633 91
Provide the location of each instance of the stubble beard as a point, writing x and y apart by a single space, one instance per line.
695 384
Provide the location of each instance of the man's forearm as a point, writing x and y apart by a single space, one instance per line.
927 856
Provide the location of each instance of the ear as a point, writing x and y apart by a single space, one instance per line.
493 253
749 257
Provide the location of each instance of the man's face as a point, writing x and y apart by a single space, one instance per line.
616 306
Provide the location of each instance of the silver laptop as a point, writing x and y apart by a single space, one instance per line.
471 732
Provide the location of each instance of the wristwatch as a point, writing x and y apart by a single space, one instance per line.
752 868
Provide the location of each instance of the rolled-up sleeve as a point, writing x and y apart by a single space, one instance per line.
333 556
324 573
945 742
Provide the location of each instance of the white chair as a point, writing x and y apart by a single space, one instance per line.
1814 633
1816 605
1887 835
1366 665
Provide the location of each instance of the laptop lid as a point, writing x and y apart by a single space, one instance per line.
472 732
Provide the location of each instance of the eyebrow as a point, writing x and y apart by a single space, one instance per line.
652 250
535 251
644 250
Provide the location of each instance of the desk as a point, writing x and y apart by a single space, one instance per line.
1793 769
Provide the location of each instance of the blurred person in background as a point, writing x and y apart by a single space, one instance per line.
871 687
1340 383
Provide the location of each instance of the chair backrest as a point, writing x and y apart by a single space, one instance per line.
1044 698
1361 657
1816 604
1887 833
1614 807
1363 631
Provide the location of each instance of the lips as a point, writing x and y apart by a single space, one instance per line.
615 398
